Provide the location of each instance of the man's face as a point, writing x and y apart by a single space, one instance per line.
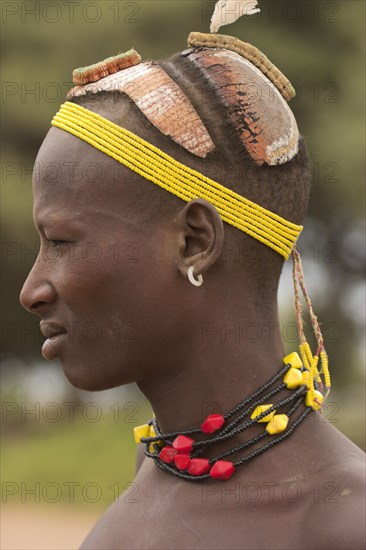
101 280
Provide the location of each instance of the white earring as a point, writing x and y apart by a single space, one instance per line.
195 282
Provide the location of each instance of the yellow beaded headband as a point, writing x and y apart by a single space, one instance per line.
180 180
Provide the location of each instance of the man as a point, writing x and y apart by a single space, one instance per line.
198 348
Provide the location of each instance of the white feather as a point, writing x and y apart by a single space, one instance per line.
228 11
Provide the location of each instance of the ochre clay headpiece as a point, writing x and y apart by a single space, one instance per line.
161 100
252 90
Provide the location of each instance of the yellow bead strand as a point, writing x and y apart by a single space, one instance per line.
325 367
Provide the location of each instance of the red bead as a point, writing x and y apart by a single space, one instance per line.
199 466
182 461
222 469
212 423
183 444
167 454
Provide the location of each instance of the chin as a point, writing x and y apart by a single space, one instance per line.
91 378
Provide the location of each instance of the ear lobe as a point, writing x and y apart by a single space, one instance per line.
200 237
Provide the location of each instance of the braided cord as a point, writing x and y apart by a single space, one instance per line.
301 283
310 362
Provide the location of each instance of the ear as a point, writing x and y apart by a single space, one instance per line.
200 233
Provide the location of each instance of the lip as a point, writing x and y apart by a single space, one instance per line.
55 334
50 329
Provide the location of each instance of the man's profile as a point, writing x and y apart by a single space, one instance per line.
209 157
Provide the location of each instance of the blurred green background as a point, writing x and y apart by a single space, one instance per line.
319 45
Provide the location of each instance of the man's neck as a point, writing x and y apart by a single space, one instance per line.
230 358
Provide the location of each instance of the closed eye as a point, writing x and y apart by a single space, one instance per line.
56 242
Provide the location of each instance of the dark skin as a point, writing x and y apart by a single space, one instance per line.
306 492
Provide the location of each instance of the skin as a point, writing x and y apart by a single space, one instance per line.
150 329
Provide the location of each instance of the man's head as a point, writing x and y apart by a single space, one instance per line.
117 282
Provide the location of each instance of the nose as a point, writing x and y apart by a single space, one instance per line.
37 291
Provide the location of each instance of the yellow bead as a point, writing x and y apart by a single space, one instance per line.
259 410
293 359
306 377
141 431
315 400
293 378
278 424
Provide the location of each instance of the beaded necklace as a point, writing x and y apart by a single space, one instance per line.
179 454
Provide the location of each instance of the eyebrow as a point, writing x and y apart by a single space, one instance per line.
43 223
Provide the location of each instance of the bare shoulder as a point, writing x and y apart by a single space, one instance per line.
337 518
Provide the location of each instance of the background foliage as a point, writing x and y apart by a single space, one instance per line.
319 46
